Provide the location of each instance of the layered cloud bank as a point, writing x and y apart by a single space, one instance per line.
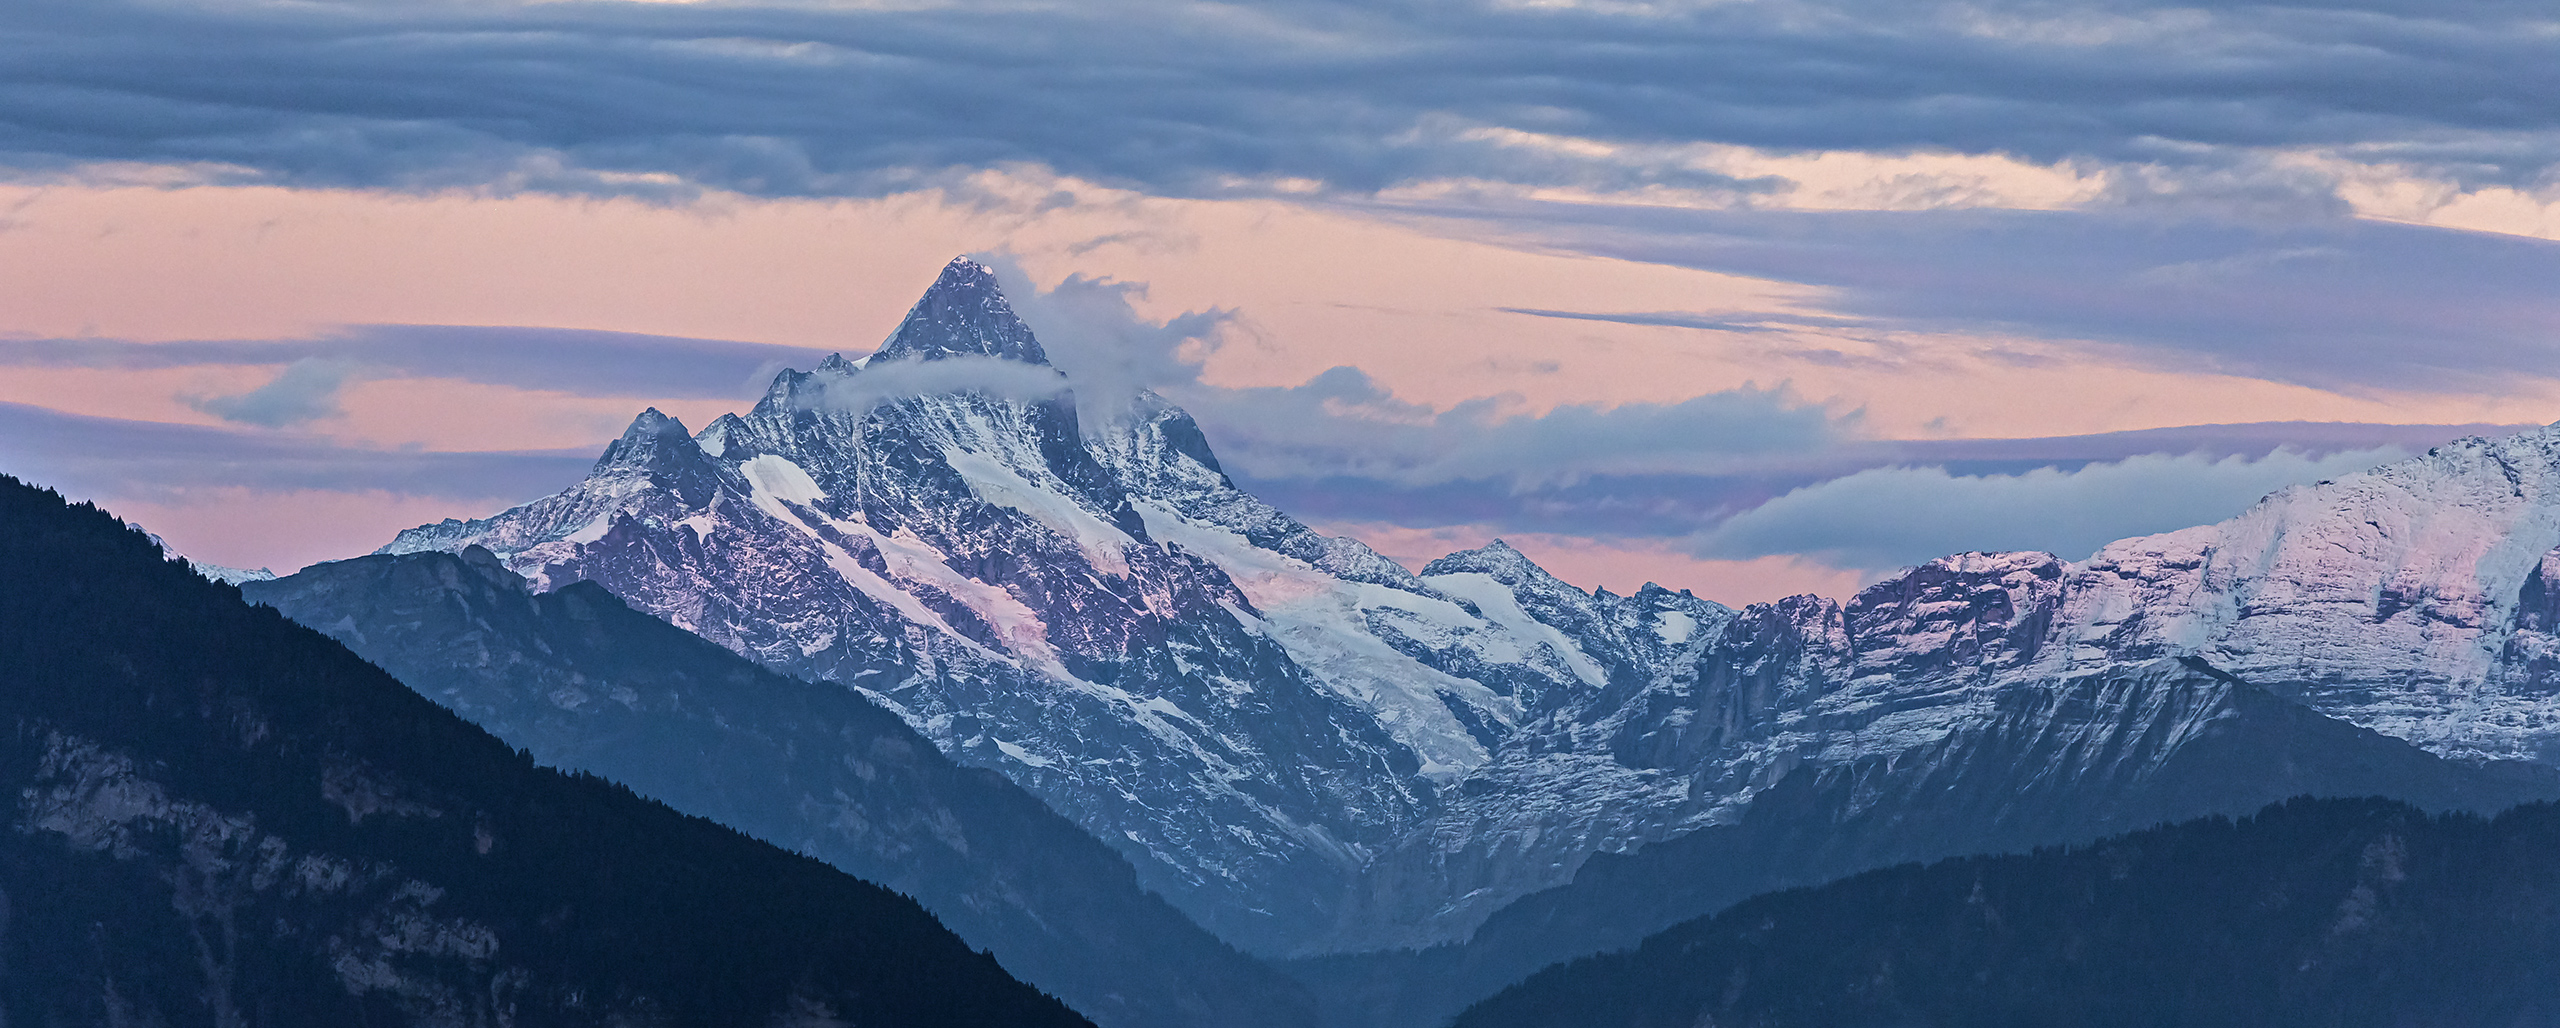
1768 294
2264 111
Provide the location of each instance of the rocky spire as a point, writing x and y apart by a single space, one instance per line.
963 314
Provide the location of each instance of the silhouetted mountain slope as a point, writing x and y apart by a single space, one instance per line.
587 683
222 818
2076 760
2314 912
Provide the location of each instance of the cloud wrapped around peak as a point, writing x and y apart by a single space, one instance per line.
878 382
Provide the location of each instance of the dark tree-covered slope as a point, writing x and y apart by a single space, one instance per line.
586 683
219 817
2311 913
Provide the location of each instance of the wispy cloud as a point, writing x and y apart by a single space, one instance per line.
1740 321
154 461
573 361
306 390
2357 306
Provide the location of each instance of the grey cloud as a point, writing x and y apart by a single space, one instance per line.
1341 424
1893 517
1093 334
2348 304
802 100
574 361
155 460
305 390
1668 506
1738 321
881 382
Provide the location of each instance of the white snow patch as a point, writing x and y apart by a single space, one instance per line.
1317 619
849 569
1497 602
1023 756
593 530
777 477
1674 627
1103 543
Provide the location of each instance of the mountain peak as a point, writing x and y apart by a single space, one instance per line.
1498 559
654 442
650 424
964 313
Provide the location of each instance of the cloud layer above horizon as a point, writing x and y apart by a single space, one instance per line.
1897 251
1180 98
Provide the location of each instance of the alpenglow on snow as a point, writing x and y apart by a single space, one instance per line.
1312 749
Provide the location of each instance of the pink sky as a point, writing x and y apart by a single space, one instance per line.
1414 302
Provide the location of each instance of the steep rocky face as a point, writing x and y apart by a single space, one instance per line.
585 683
1311 749
215 816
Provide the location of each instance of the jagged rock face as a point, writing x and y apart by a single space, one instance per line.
1311 749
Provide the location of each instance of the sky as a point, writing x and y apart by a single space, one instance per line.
1749 297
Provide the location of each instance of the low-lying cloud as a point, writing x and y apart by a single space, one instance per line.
1886 518
154 461
886 381
1342 424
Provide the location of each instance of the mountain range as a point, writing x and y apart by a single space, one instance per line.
1310 749
1033 657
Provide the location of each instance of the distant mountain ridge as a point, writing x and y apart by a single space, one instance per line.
1312 750
587 684
2103 751
2333 913
219 817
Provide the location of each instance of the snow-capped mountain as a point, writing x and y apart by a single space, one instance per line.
1311 749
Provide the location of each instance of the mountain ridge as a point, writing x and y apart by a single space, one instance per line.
2332 913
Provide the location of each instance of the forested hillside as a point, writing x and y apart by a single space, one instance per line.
224 818
2312 912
